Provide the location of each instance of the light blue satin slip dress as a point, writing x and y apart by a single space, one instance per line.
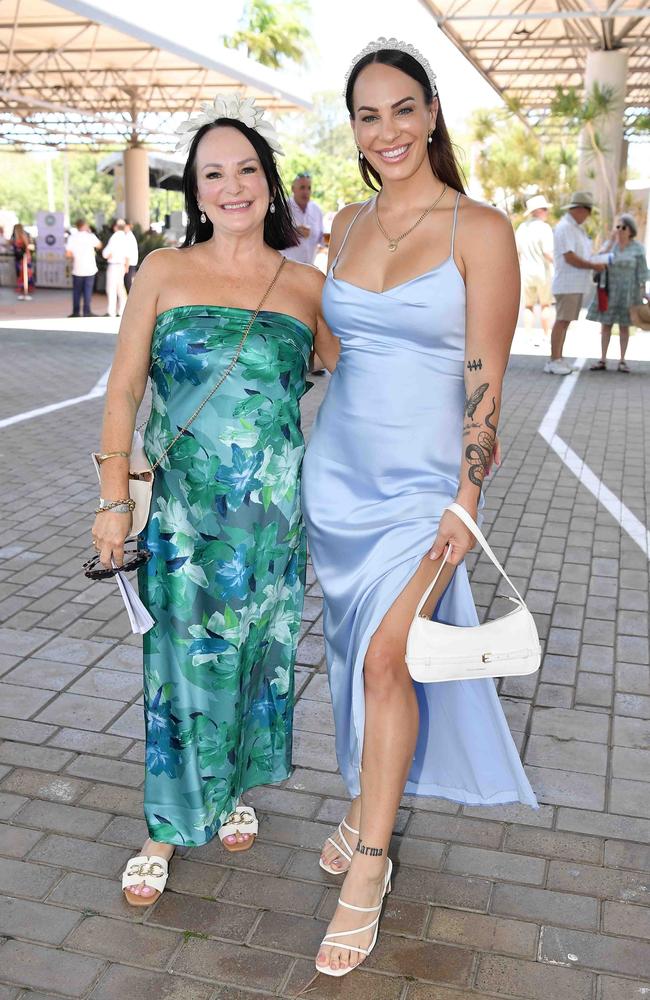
382 463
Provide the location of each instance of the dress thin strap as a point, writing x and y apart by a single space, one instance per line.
453 228
347 233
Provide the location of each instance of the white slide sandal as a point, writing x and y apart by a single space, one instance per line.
241 820
150 870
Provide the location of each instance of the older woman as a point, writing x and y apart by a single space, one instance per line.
225 582
627 273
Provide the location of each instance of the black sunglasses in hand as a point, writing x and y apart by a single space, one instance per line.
133 559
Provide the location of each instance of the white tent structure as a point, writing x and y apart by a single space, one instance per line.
74 74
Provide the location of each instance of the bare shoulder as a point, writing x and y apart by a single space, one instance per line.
344 217
161 262
304 274
305 280
480 218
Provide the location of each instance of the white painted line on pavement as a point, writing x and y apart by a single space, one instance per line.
548 427
99 389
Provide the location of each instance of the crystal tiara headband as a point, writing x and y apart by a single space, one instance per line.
393 43
236 107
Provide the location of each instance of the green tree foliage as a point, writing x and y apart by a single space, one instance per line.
585 113
513 161
273 33
23 185
325 148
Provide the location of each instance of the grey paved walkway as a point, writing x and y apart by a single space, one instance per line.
502 902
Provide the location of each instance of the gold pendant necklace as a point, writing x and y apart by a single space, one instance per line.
394 241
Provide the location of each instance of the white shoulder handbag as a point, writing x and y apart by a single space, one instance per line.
505 647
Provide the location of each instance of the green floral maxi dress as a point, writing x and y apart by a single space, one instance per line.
225 583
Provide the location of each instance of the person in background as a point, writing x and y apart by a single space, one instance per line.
535 248
22 249
322 254
307 218
116 253
80 247
132 256
572 279
627 273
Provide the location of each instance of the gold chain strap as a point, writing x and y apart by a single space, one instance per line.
227 371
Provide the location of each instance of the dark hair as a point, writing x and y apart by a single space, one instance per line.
79 223
441 151
279 230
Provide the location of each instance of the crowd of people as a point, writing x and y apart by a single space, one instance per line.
561 273
82 246
560 267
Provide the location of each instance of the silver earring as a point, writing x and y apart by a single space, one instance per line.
203 218
272 208
360 154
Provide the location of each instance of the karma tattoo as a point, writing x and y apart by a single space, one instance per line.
479 453
373 852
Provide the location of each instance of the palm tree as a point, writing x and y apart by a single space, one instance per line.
273 32
585 114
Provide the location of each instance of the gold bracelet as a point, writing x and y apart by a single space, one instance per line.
111 454
110 504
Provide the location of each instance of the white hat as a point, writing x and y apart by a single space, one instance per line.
537 201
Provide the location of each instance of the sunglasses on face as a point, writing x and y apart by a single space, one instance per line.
133 559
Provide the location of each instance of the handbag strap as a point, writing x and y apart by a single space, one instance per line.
228 370
470 523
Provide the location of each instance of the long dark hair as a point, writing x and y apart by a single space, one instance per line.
441 150
279 230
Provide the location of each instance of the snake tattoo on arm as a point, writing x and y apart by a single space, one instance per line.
479 452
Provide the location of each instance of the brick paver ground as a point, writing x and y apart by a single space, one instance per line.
499 902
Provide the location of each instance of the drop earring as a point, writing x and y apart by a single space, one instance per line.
360 153
203 218
430 139
272 208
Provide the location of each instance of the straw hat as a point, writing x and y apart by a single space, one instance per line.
580 199
537 201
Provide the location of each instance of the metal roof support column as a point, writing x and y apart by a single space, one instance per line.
599 169
136 185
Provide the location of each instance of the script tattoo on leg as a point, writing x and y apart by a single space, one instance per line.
373 852
478 453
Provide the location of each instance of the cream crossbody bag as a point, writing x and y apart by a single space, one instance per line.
506 647
141 471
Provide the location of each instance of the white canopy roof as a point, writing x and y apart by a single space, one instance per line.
525 48
72 73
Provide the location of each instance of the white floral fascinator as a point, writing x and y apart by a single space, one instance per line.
236 107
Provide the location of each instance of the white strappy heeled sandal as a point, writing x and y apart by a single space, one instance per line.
241 820
331 939
150 870
343 848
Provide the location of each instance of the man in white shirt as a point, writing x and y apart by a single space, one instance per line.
572 280
535 248
81 246
116 252
307 218
132 256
